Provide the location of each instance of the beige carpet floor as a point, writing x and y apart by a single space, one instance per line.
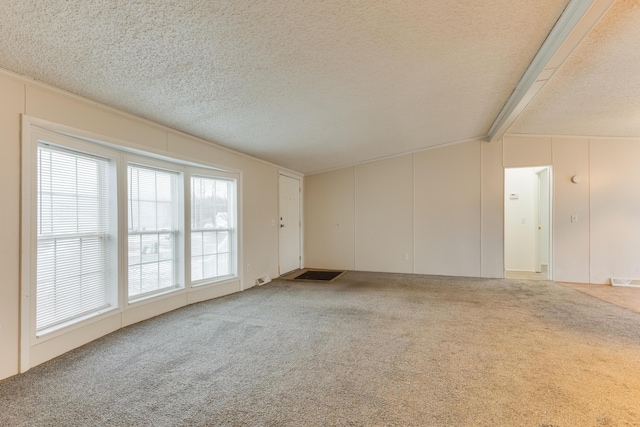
366 350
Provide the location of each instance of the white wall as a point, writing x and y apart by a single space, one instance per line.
259 180
329 218
614 209
458 208
11 105
571 242
447 205
491 210
426 205
384 216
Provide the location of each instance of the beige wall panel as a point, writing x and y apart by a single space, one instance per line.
329 205
447 210
384 215
215 291
198 151
523 151
11 106
492 210
70 111
154 307
570 239
615 209
260 221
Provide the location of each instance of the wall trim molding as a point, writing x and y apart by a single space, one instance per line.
596 137
407 153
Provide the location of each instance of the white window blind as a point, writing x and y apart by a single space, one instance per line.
211 227
72 232
152 230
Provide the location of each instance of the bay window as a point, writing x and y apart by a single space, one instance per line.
113 231
112 235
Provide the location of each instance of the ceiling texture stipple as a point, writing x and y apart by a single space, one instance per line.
596 92
309 85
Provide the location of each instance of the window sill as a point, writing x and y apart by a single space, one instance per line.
71 325
213 282
151 296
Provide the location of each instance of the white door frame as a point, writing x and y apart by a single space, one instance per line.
286 261
549 220
536 215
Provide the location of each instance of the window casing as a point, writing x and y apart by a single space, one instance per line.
153 207
73 236
212 228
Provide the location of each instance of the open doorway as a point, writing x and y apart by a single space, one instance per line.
527 223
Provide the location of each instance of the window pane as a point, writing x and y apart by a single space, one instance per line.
165 270
223 241
164 215
211 210
147 216
134 249
152 220
146 184
149 277
196 243
196 268
209 243
134 280
72 226
210 267
149 248
224 265
165 247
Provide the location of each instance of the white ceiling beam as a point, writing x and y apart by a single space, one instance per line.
576 21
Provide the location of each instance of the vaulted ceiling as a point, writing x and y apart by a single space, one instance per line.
596 92
313 85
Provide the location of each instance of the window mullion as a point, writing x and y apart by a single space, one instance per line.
76 196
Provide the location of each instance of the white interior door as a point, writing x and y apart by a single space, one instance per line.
544 219
289 224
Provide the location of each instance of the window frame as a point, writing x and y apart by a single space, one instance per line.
40 136
106 238
179 224
233 221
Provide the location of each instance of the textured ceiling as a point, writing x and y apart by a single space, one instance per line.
309 85
596 92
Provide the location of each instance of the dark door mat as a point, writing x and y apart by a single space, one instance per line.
323 275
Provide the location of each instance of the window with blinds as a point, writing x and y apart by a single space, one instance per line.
72 236
153 230
211 228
